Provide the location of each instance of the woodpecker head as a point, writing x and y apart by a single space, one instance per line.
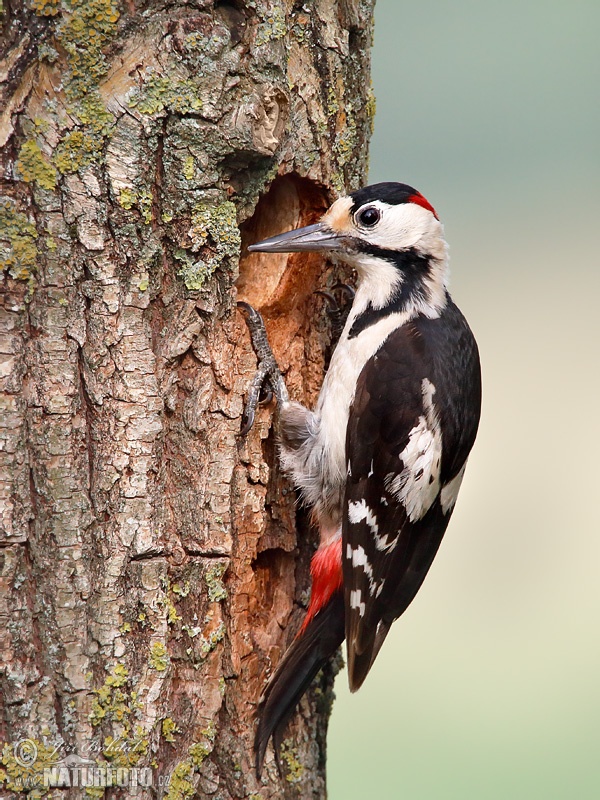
393 238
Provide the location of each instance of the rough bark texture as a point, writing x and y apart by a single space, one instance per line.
153 563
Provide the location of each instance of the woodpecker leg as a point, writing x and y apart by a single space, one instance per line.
339 301
268 369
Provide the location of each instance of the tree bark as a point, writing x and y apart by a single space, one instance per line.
154 563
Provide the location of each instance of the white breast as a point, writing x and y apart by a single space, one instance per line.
337 392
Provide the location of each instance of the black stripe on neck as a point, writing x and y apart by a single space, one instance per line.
413 266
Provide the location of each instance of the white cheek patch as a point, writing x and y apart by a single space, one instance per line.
402 226
418 484
449 491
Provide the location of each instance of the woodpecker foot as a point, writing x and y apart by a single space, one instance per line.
267 371
339 300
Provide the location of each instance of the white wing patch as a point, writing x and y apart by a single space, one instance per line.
358 557
417 486
355 602
449 491
387 542
359 511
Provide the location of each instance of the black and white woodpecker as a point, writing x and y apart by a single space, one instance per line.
381 458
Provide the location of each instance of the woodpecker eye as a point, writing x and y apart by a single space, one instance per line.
368 216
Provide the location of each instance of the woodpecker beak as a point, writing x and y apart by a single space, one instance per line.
312 238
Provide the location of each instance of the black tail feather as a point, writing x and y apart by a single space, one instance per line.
359 664
299 665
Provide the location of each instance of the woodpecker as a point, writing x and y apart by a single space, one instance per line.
381 458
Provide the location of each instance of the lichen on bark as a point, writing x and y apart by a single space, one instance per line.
153 563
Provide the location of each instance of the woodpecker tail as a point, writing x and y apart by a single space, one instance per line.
313 648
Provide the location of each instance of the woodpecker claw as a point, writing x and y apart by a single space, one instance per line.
247 421
266 395
345 289
268 369
333 303
338 308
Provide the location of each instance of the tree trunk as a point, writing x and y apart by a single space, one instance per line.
154 563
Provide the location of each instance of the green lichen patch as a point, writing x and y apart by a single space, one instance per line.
208 643
18 249
172 615
300 29
127 198
114 700
116 703
85 30
205 638
46 8
87 27
159 657
216 589
127 749
91 112
142 619
198 753
294 769
333 105
33 167
180 782
144 202
180 785
188 168
166 600
371 107
142 199
200 750
194 273
345 142
47 53
272 27
23 764
77 149
169 729
93 791
181 591
214 230
160 93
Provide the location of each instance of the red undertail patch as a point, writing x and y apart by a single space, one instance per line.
326 573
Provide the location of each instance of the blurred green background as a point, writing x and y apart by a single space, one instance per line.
488 686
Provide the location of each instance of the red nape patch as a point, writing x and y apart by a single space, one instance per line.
326 573
419 200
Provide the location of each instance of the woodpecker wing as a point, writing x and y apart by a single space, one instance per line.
411 426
